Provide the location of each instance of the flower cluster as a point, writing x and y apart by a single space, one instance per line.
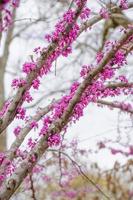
37 50
80 2
17 131
27 97
125 153
8 169
17 83
104 13
15 3
46 123
34 125
5 108
31 143
120 58
6 9
123 4
6 20
123 79
28 67
54 140
85 13
2 157
125 106
85 70
99 57
21 112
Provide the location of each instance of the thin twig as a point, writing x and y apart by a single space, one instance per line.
82 173
32 186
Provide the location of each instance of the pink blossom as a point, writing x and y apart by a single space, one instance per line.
85 13
67 51
36 84
120 58
69 16
31 143
71 194
27 97
48 37
15 3
104 13
37 169
17 131
123 4
34 124
85 70
79 2
47 179
99 57
2 178
17 83
21 153
116 151
101 145
125 106
21 113
37 50
107 73
10 169
54 140
6 7
123 79
130 150
4 108
28 67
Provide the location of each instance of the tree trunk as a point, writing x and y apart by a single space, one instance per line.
3 139
3 63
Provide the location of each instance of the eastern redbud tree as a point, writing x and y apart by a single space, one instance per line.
97 82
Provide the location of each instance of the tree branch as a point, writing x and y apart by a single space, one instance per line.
118 105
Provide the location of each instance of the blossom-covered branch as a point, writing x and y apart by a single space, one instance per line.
64 32
21 133
68 113
126 107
